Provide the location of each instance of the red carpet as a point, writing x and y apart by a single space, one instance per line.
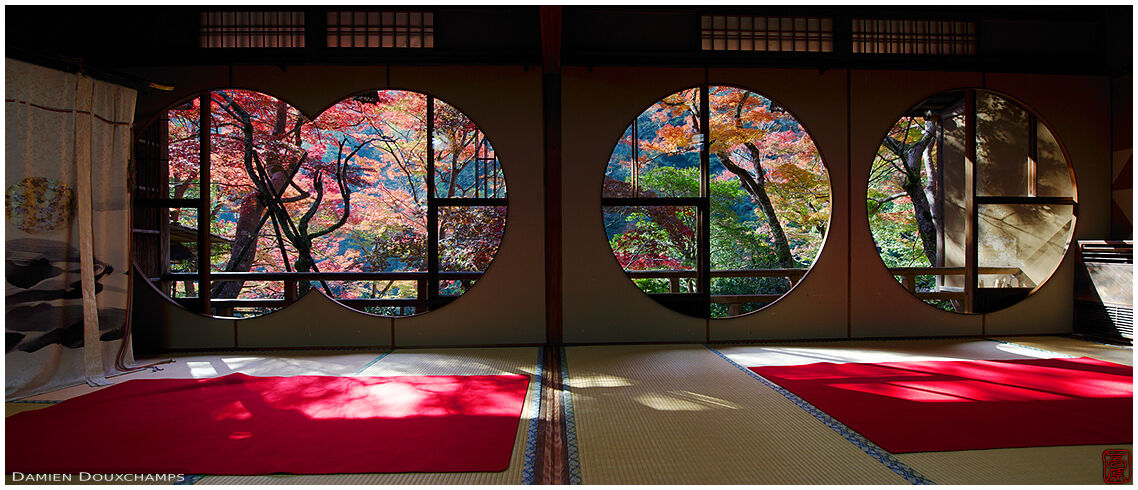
907 407
245 425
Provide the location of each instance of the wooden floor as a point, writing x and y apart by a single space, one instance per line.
679 414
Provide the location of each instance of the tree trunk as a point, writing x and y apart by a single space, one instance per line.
916 158
252 210
926 226
755 185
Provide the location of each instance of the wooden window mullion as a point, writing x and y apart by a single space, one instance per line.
432 211
971 237
204 113
1032 156
704 211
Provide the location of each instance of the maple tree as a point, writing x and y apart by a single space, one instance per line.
901 197
769 192
343 192
903 170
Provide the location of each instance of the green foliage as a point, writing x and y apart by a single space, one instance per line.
895 233
740 239
892 217
761 160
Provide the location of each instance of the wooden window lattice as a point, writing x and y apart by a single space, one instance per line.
380 29
252 29
896 36
760 33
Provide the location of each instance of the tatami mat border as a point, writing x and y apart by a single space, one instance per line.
1123 347
875 451
373 361
570 422
189 480
535 413
1028 347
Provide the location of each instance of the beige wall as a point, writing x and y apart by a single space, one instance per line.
1077 110
601 305
879 305
847 294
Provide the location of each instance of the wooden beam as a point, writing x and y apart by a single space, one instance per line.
695 202
971 276
551 19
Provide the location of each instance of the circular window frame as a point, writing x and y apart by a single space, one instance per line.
438 301
974 217
704 89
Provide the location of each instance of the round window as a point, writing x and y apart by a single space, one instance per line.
971 201
716 201
391 202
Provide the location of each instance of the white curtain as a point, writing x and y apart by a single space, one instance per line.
67 228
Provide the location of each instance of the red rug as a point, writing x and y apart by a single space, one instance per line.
246 425
907 407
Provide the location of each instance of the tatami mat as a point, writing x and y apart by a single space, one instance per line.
13 408
1077 465
1076 348
425 362
682 415
259 363
1052 465
796 353
467 362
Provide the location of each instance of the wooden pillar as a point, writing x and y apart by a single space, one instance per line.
551 112
290 291
910 283
552 465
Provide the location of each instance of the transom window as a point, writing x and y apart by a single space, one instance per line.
391 202
909 36
763 33
380 29
716 201
252 29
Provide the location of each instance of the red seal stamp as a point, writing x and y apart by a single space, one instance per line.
1116 466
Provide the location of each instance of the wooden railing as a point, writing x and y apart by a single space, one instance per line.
908 280
674 277
291 282
291 286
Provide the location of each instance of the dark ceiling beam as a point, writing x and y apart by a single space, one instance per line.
1082 39
551 39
